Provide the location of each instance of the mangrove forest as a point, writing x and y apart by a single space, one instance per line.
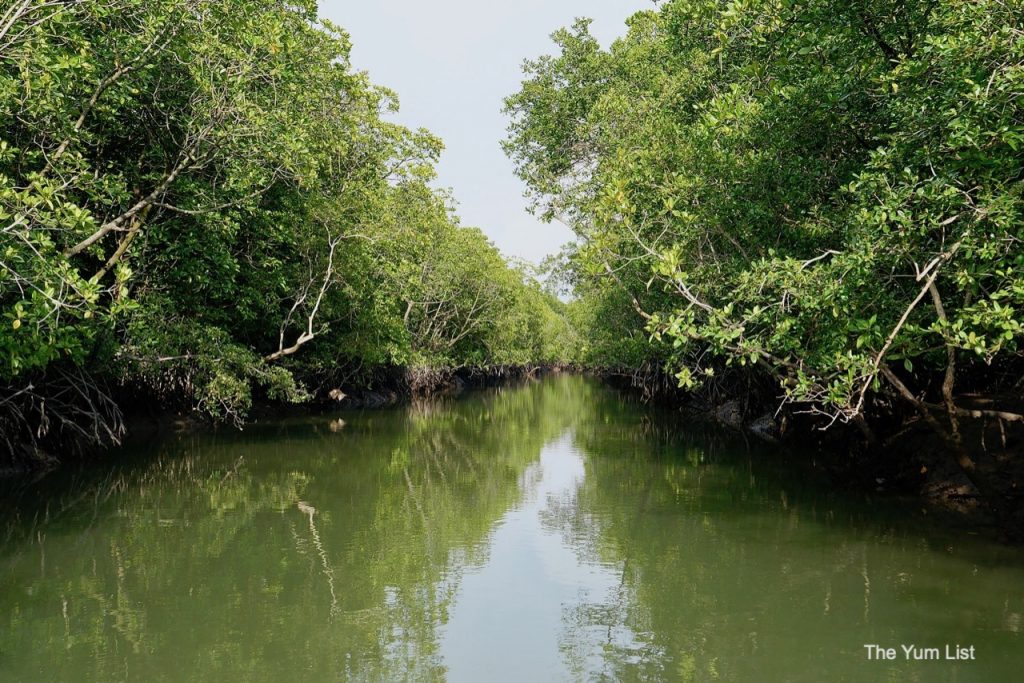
272 409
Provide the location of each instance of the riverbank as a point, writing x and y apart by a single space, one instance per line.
130 411
892 451
898 455
381 549
393 385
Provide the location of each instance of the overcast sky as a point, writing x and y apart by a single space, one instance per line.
451 63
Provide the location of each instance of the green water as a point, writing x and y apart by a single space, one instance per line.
555 531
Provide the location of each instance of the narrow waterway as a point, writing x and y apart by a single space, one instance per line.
547 532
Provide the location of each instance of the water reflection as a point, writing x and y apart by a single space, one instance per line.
554 531
510 614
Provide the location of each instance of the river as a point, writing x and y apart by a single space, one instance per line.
546 532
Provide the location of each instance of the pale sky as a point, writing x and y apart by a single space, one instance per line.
452 62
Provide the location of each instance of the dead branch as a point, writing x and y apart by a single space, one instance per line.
308 334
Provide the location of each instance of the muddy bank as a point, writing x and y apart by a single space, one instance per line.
892 451
131 413
392 386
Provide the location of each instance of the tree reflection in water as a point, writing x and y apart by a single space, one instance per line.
553 530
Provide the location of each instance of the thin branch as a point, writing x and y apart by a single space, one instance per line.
934 267
122 247
309 334
116 223
636 303
950 376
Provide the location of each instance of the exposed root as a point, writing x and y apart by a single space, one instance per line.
60 411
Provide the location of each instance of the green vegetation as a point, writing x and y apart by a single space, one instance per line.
351 549
314 551
201 203
827 193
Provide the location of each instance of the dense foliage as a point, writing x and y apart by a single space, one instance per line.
830 192
199 200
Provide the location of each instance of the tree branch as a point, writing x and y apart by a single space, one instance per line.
309 334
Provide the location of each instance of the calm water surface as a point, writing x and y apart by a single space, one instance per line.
550 532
